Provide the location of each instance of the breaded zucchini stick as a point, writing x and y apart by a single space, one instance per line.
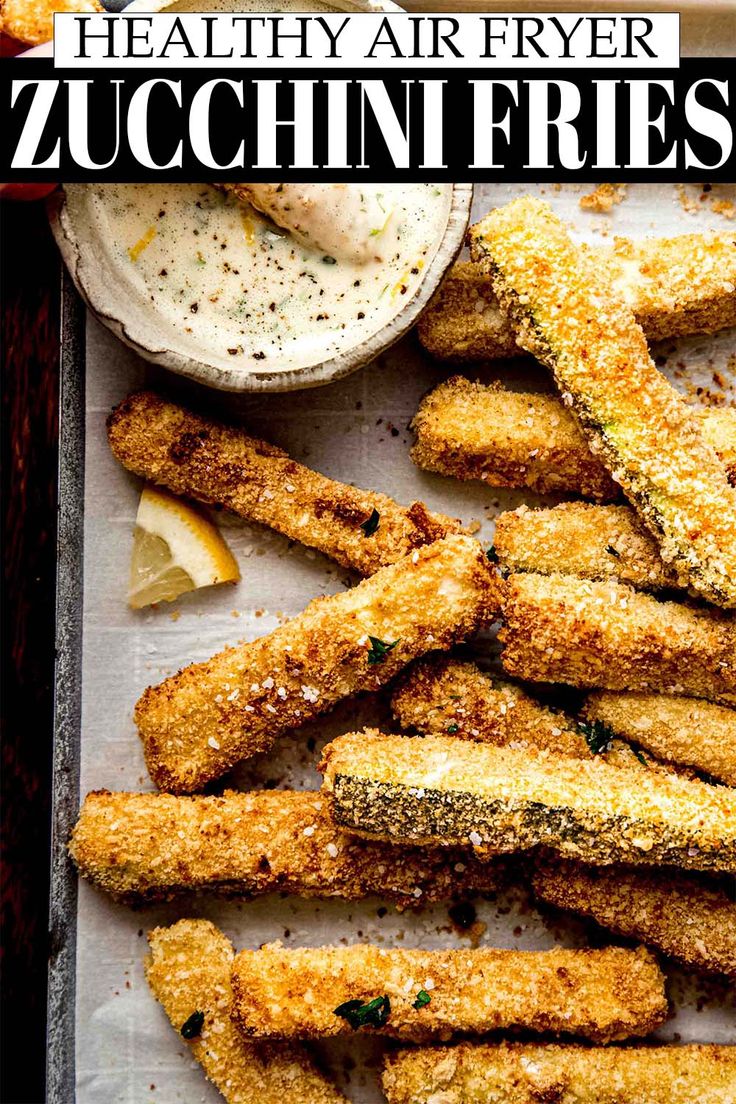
32 21
145 847
523 439
567 314
519 1073
559 628
577 538
600 994
677 913
437 789
188 971
221 465
444 696
674 286
197 724
696 733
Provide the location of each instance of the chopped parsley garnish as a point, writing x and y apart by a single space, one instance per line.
370 524
453 728
597 735
492 554
192 1027
423 998
329 260
379 649
373 1014
613 551
640 757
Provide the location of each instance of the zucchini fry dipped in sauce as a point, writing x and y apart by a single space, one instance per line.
199 723
188 971
695 733
524 439
567 314
674 286
439 697
142 847
679 914
519 1073
560 628
577 538
343 220
438 789
221 465
320 992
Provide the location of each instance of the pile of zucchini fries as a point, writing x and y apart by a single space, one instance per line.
621 809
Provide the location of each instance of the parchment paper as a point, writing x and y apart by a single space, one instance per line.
355 431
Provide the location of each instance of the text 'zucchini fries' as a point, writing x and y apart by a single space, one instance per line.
188 971
523 439
559 628
446 697
437 789
600 994
219 464
676 913
200 722
695 733
576 538
524 1074
566 314
143 847
674 286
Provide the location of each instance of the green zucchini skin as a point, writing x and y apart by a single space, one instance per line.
393 811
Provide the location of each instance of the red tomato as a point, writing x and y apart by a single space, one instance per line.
26 191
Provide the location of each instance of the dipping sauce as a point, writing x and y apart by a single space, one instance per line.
239 291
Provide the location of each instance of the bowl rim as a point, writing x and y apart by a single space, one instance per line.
293 379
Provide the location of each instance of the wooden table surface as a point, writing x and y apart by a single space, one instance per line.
29 290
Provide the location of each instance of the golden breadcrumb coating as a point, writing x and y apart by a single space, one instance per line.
200 722
445 696
143 847
674 286
221 465
577 538
558 628
32 21
696 733
523 439
567 314
600 994
513 1073
438 789
677 913
188 971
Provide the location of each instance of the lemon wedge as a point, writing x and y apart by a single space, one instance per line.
176 548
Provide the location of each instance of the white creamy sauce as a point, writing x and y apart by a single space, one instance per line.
238 290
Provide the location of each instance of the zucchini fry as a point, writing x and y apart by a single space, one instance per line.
221 465
677 913
674 286
567 314
188 971
600 994
577 538
440 697
142 847
437 789
523 439
444 696
559 628
695 733
199 723
514 1073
